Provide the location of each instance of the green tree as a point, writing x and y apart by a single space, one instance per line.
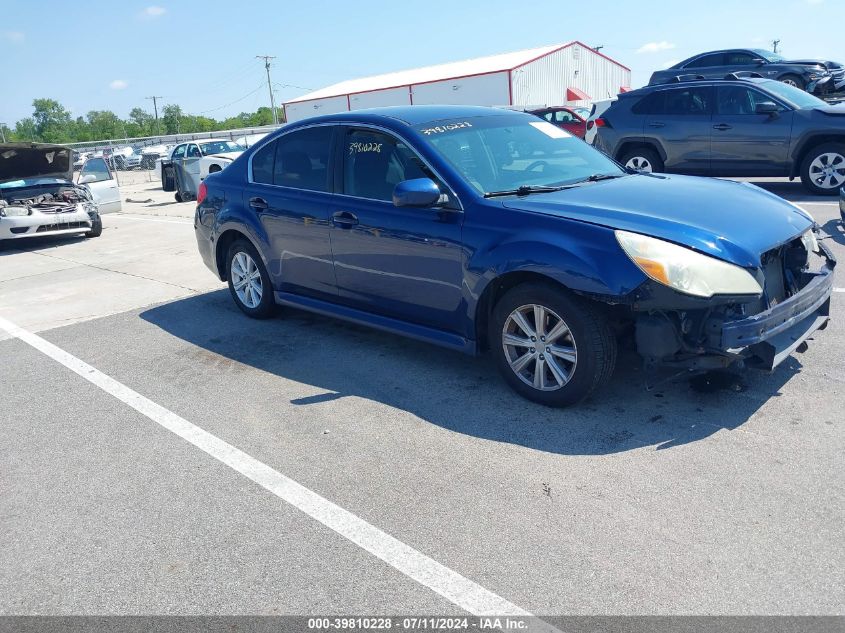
52 122
171 116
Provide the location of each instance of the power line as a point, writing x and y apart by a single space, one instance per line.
251 92
155 107
267 59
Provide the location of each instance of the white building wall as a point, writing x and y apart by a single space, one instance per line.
379 98
545 80
304 109
491 90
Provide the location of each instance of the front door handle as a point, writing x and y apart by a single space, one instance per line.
657 124
258 203
344 219
722 127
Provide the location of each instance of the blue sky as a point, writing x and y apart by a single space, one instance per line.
200 54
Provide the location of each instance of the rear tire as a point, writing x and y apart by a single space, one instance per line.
249 282
823 169
574 349
642 159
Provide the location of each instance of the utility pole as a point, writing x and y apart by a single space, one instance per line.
155 108
267 59
3 131
775 45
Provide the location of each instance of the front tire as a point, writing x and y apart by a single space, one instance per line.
823 169
642 159
96 228
550 346
249 282
793 80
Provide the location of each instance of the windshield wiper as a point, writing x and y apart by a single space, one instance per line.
524 190
597 177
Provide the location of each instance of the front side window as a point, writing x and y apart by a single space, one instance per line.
688 101
716 59
179 152
301 159
95 170
375 162
733 100
193 151
503 152
740 58
220 147
562 116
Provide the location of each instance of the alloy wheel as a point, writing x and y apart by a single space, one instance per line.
827 170
246 280
790 82
640 163
539 347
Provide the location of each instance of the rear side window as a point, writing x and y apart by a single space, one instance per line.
262 164
302 159
716 59
650 104
688 101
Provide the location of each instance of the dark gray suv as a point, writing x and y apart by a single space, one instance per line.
810 75
729 127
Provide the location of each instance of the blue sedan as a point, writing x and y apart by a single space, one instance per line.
481 229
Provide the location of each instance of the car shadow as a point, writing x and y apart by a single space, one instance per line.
457 392
8 247
835 229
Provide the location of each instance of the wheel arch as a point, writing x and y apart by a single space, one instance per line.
222 244
810 143
632 144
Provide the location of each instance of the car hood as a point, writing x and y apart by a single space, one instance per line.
34 160
229 155
736 222
815 62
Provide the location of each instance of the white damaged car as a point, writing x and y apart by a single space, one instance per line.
38 196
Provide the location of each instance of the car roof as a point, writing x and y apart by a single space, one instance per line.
412 115
695 82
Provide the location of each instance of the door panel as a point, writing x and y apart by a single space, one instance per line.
400 262
680 121
290 194
95 173
746 143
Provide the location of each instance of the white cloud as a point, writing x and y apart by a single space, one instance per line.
813 1
153 12
118 84
655 47
14 36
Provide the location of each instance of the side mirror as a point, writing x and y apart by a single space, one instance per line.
87 178
419 192
766 107
759 61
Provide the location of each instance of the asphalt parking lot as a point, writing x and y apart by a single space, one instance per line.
378 475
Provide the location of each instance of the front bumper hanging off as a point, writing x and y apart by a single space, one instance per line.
766 339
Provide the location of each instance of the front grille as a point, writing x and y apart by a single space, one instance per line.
44 228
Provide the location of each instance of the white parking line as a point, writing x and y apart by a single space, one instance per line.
135 217
839 290
426 571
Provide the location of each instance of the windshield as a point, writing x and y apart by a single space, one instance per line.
768 55
218 147
31 182
793 95
498 153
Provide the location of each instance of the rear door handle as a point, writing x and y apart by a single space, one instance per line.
344 219
657 124
258 203
722 127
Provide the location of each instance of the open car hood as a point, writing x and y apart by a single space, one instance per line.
35 160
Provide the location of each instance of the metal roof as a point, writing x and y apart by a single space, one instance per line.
453 70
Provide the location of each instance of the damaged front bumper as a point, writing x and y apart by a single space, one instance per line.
766 339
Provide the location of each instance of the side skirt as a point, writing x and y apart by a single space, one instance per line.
386 324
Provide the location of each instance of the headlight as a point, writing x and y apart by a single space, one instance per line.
685 270
811 244
14 212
